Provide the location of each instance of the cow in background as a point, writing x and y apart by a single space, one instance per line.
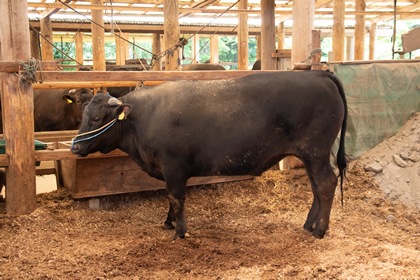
257 65
59 109
202 66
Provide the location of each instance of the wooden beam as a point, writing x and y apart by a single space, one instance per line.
156 49
172 34
283 53
61 85
82 76
16 66
79 47
359 32
372 41
338 37
51 11
195 49
349 48
35 50
268 35
303 19
145 28
243 37
316 44
376 61
46 32
17 110
214 49
4 160
280 36
98 40
258 47
121 49
408 10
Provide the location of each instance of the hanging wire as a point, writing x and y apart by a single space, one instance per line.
46 40
72 41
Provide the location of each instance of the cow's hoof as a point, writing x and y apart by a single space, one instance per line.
169 225
318 233
186 235
308 228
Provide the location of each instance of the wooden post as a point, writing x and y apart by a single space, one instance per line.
258 37
79 47
303 23
156 49
98 38
349 48
316 44
359 32
372 41
280 36
17 110
338 29
35 51
171 33
243 37
195 48
47 51
214 49
268 35
120 49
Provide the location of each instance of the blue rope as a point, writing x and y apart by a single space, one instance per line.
90 137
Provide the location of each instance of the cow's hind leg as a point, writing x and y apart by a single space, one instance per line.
171 217
323 182
176 186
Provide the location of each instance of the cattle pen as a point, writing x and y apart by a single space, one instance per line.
238 231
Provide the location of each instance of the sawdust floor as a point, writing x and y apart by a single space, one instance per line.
242 230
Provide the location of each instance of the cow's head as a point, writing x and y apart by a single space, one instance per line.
75 98
97 132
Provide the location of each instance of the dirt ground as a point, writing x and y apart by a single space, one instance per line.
243 230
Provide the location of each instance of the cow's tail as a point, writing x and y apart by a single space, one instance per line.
341 154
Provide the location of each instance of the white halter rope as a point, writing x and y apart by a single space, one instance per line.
99 130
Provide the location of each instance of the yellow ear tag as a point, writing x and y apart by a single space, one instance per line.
69 101
121 116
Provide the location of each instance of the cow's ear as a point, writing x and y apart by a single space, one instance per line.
68 98
121 111
84 105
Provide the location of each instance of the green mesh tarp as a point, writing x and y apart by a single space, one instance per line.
380 97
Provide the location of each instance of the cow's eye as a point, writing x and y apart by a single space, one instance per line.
96 119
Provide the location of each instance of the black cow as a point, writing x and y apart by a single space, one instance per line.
182 129
59 109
